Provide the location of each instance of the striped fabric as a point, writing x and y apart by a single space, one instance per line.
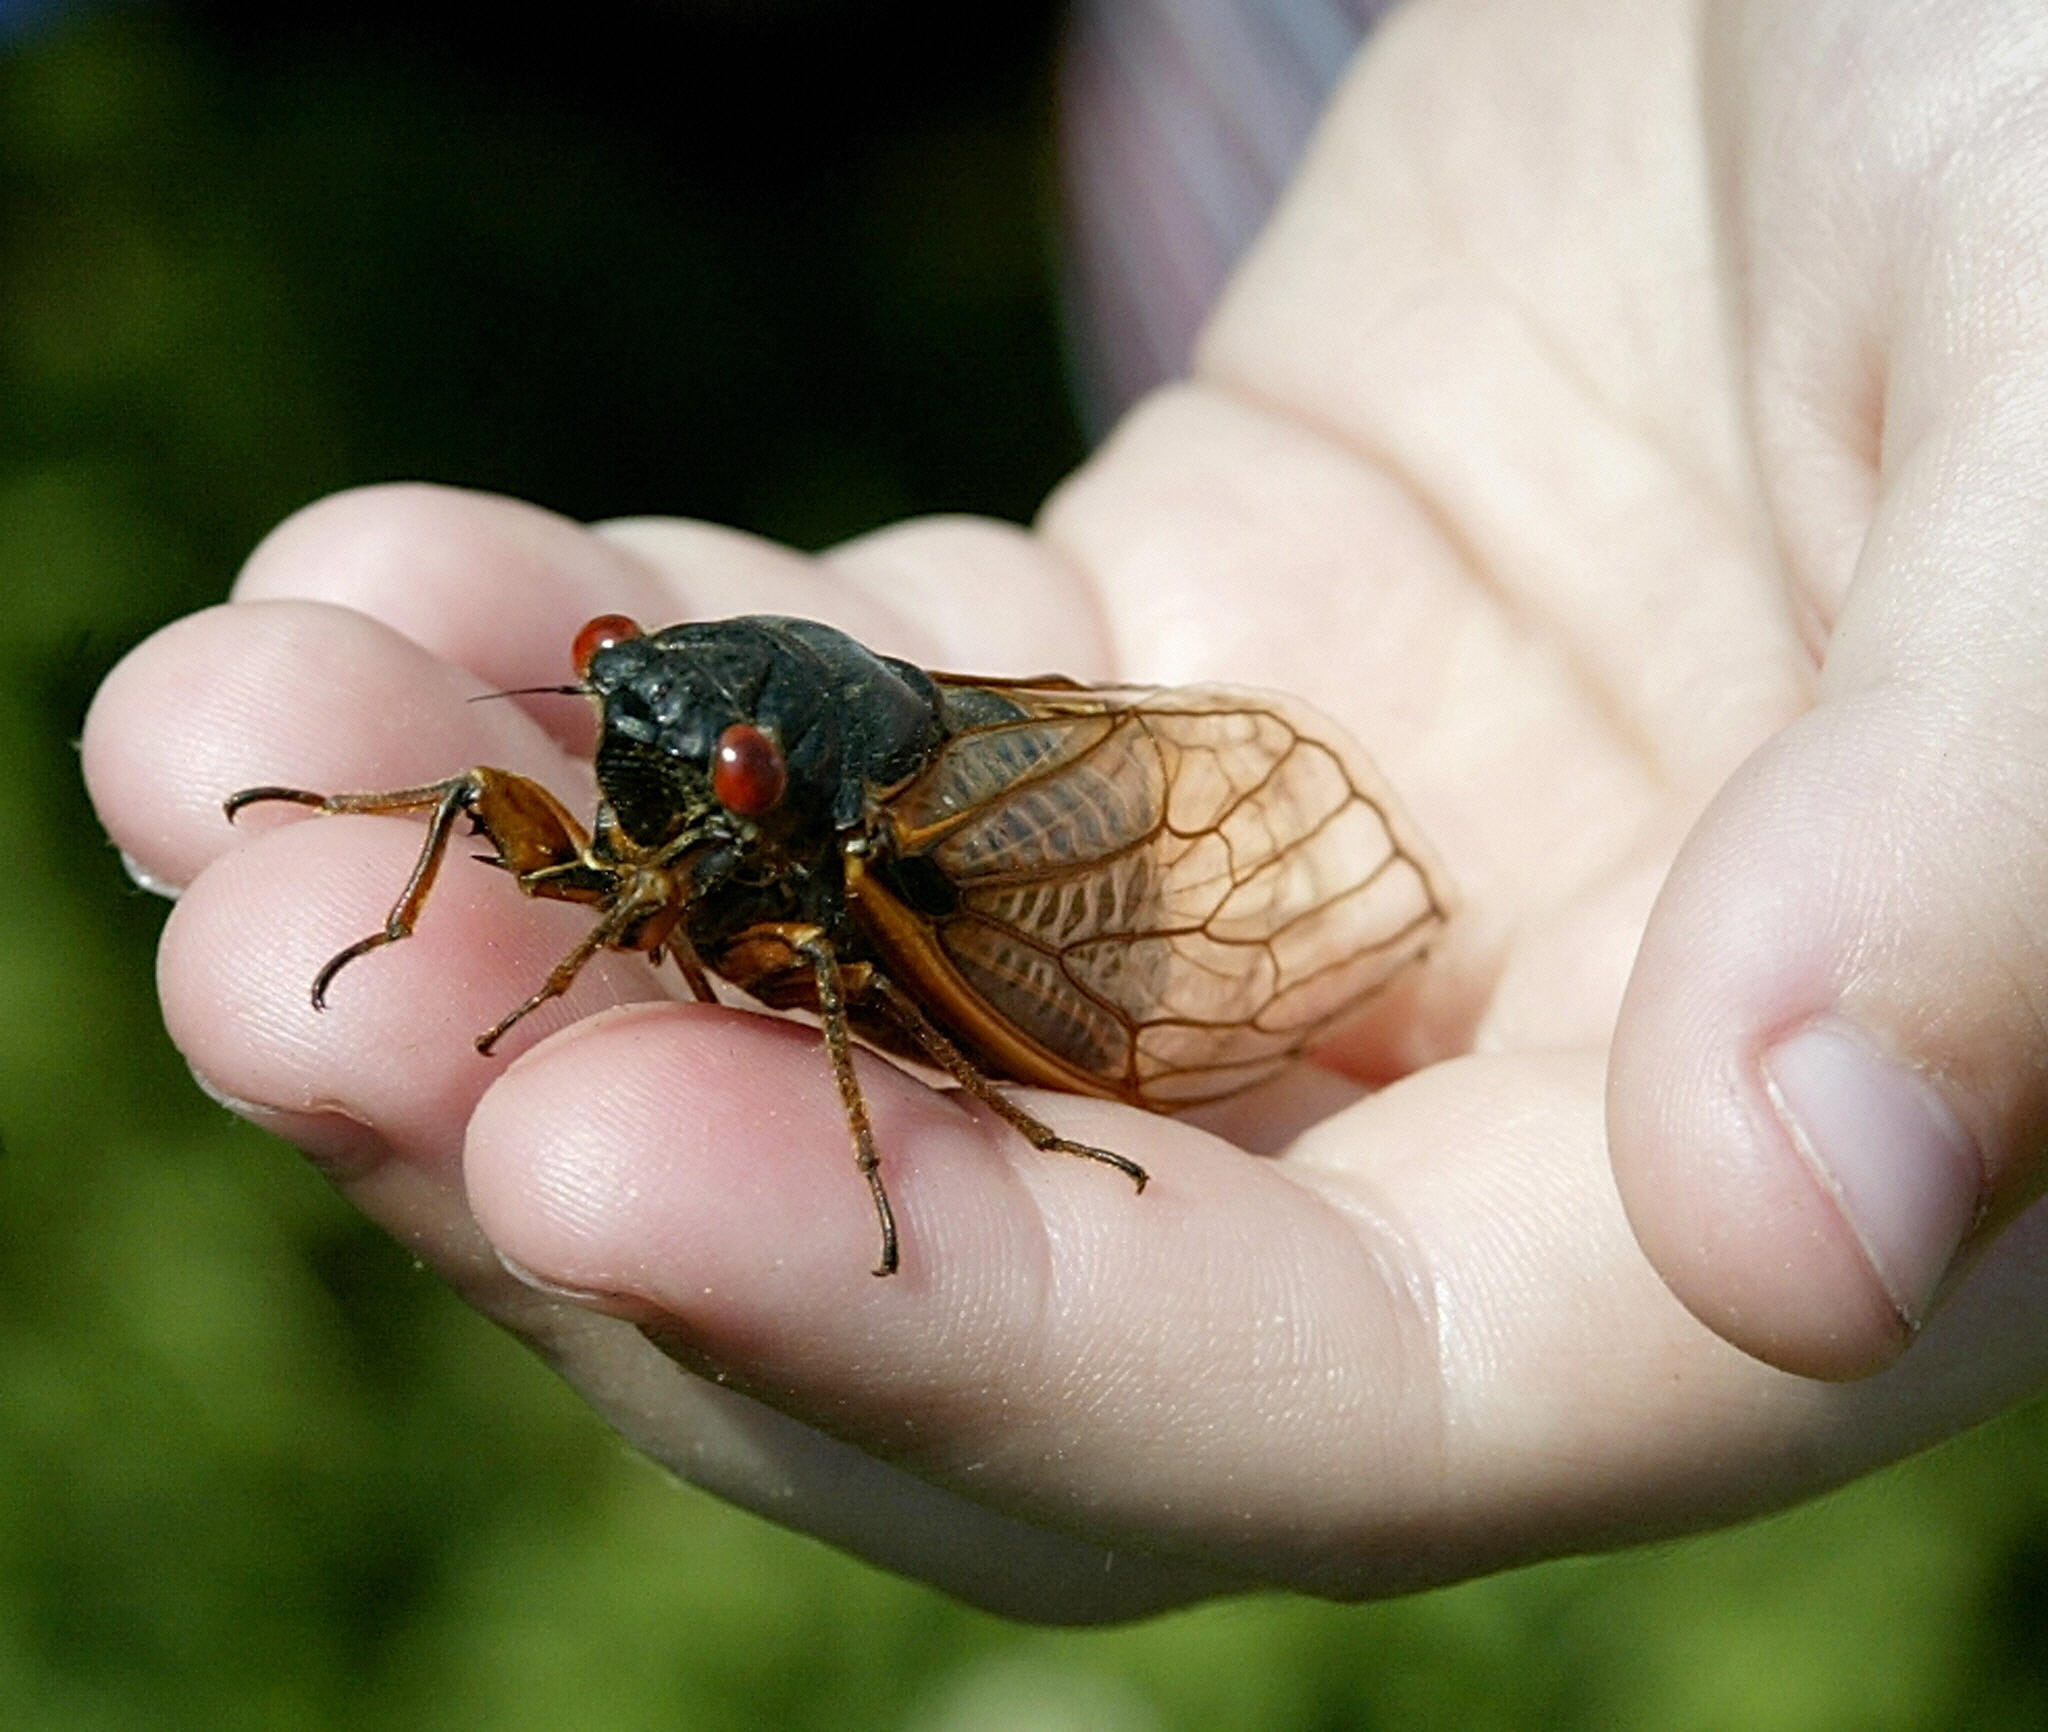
1181 121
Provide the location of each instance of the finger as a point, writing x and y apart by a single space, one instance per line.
963 594
1016 1359
310 695
1828 1079
986 598
500 587
479 583
1831 1077
1351 1378
379 1085
490 584
751 1455
285 693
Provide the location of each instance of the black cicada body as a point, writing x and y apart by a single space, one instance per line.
1157 896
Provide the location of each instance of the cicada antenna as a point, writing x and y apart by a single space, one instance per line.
535 692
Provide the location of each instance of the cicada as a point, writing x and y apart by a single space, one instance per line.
1159 896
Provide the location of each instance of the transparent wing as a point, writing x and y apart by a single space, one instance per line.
1172 891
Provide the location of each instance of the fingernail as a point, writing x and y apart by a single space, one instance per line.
143 879
1888 1149
611 1301
340 1146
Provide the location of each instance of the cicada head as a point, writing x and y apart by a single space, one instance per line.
758 727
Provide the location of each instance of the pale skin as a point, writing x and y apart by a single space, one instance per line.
1632 429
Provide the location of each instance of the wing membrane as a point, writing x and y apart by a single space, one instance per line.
1173 891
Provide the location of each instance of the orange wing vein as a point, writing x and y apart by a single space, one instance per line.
1174 891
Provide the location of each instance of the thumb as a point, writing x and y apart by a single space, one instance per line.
1830 1077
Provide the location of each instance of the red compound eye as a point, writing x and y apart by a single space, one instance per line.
747 772
600 634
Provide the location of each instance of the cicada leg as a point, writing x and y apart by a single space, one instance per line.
791 966
824 960
619 920
527 825
908 1016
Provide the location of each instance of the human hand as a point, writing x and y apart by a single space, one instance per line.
1626 430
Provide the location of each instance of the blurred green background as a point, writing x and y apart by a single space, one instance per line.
788 266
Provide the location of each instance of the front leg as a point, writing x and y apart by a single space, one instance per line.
535 838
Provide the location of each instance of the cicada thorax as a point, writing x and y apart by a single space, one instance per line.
751 747
843 720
